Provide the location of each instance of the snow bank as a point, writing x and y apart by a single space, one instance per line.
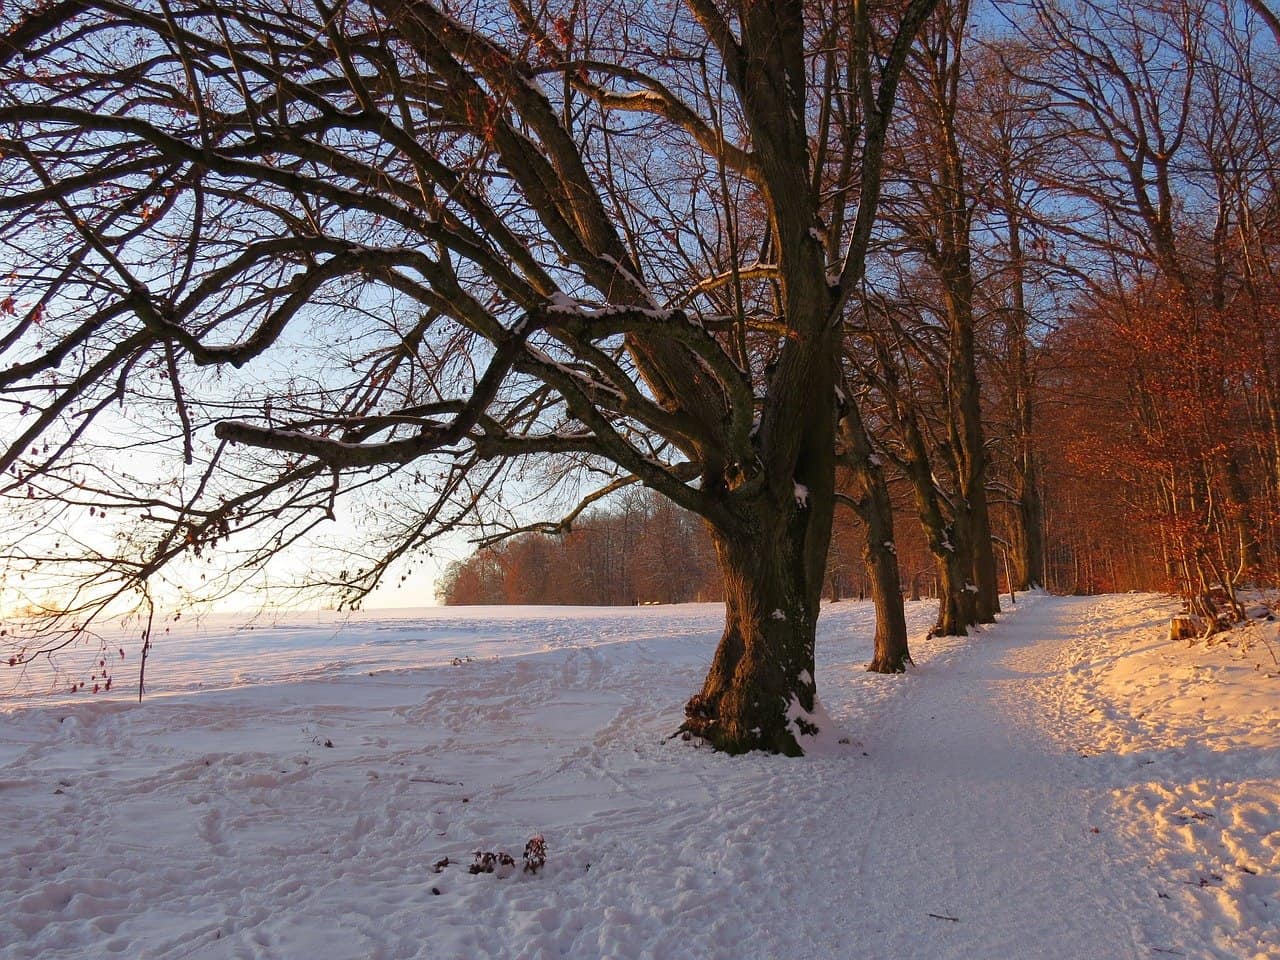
1189 736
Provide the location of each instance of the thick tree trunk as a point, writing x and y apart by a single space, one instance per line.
760 687
985 575
1028 518
950 250
948 542
966 406
772 546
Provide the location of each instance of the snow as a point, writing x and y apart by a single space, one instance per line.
802 496
1191 734
561 302
1055 783
817 733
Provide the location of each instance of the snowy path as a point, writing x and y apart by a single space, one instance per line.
989 817
218 823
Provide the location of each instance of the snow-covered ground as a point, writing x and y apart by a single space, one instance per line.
1066 784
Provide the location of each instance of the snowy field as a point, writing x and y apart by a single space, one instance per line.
1066 784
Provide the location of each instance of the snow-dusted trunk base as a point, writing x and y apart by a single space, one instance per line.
761 676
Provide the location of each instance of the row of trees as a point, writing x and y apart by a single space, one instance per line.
478 266
1092 239
1082 219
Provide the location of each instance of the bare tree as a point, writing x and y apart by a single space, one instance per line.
930 330
1009 157
908 365
1151 103
423 253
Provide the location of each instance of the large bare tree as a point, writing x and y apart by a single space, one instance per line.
267 255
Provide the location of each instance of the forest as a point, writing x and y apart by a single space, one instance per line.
879 299
1070 312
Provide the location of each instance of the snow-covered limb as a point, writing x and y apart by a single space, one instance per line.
750 271
598 323
561 306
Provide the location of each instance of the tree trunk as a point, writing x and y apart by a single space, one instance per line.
947 244
771 545
968 441
985 575
957 596
1028 554
760 688
891 651
874 507
1028 518
948 542
1245 527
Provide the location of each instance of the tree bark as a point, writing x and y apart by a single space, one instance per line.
891 652
879 554
1028 553
1028 515
949 543
957 596
946 242
986 578
968 442
760 687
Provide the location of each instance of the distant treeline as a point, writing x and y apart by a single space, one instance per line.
643 549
